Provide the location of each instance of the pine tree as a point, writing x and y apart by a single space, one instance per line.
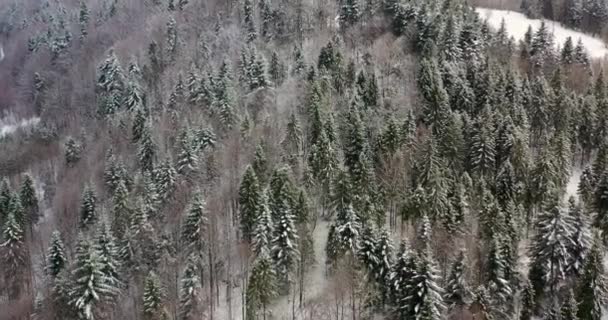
580 54
528 301
190 291
224 98
345 235
267 15
153 298
567 54
14 255
586 186
277 70
580 245
285 253
29 200
147 150
73 152
569 309
88 207
323 160
139 124
549 248
187 158
83 19
249 24
107 252
433 92
110 85
172 40
299 65
195 225
250 202
498 285
424 296
181 4
91 286
262 286
573 13
165 179
263 229
457 290
592 286
56 257
350 12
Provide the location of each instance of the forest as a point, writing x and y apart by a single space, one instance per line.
301 159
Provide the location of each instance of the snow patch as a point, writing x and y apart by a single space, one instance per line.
517 25
10 124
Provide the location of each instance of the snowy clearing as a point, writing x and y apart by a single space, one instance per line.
10 124
517 25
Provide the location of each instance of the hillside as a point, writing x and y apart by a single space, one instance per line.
299 159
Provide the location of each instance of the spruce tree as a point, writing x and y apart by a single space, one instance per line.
165 179
250 202
263 229
91 286
457 290
153 298
172 40
528 301
147 150
433 92
248 23
29 200
580 245
138 126
73 152
107 251
261 287
569 309
187 158
83 19
285 253
189 292
56 257
423 298
349 12
195 225
110 85
592 285
14 255
549 252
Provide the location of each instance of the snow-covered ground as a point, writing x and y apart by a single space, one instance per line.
517 25
10 124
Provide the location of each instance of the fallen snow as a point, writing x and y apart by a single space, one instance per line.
517 25
572 187
10 124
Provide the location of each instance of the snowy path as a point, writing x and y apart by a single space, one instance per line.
517 25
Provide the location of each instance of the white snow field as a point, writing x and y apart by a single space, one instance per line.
517 25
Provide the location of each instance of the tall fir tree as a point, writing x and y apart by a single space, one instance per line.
56 256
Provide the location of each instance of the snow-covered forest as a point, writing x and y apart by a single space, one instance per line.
303 159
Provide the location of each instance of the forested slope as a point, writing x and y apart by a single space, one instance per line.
297 159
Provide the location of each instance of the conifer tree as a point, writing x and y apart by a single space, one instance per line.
299 65
83 20
248 23
569 309
277 70
29 200
187 158
567 54
147 150
528 301
110 85
433 92
573 13
73 152
91 286
580 245
349 12
56 257
88 207
250 202
262 286
345 235
5 198
139 124
107 251
549 248
580 54
224 100
172 40
190 291
195 225
424 296
285 253
457 290
153 298
592 286
165 179
263 229
13 245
